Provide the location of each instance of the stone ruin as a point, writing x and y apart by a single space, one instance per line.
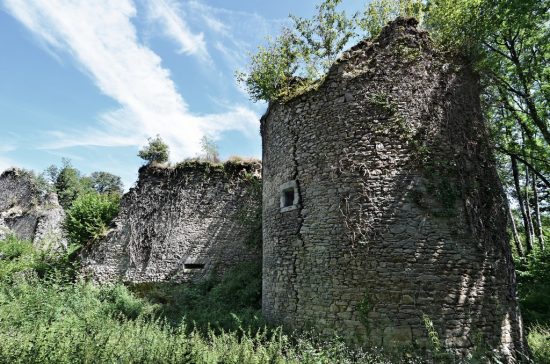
28 213
382 211
381 206
182 223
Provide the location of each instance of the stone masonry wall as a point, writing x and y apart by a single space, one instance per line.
29 213
181 224
381 204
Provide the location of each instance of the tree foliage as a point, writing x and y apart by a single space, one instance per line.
378 13
299 58
70 184
89 217
105 182
210 150
156 151
321 39
271 68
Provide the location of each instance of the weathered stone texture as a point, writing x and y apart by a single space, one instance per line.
28 213
177 219
399 213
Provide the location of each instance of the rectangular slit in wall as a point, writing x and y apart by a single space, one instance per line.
193 266
288 197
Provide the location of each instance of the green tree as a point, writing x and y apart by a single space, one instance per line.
300 56
155 151
271 69
70 184
105 182
378 13
51 173
322 38
89 217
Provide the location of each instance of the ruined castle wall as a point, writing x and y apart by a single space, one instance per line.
181 224
28 213
381 204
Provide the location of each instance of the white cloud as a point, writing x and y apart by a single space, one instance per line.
166 14
5 163
100 36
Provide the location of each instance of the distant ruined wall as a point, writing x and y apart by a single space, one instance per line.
181 224
381 204
28 213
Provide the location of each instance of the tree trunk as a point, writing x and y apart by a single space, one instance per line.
540 236
517 241
515 172
515 236
528 205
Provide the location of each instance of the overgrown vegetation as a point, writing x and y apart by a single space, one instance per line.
210 150
89 217
506 41
298 59
534 293
156 151
69 183
46 316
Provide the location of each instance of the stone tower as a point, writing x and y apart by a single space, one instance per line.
382 209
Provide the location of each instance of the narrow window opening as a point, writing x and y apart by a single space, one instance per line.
288 197
193 266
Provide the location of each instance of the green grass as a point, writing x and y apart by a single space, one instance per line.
49 316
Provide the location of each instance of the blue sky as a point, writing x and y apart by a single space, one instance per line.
91 80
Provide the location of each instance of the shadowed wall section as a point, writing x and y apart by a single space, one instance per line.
182 224
381 204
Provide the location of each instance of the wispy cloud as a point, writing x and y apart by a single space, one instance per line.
231 35
101 38
166 13
6 148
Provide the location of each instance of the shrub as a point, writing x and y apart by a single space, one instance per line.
155 151
227 304
534 287
270 71
89 217
539 342
20 258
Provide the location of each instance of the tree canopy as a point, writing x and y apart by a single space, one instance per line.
156 151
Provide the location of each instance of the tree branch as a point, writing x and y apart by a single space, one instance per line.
527 164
